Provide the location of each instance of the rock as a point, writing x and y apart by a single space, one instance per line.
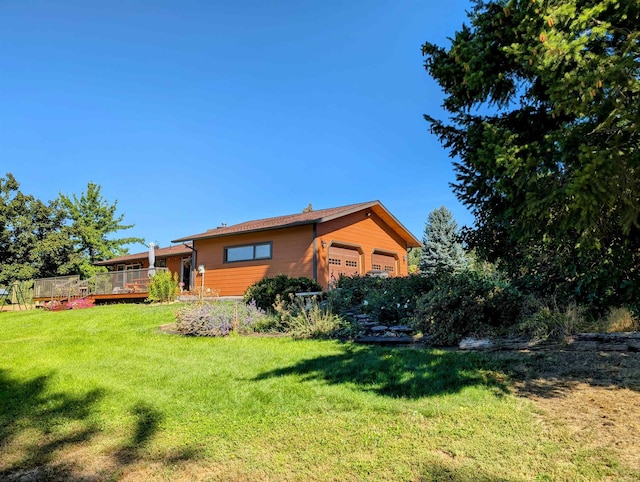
401 329
379 328
475 344
605 342
385 339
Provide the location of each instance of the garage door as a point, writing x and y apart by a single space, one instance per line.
383 262
344 261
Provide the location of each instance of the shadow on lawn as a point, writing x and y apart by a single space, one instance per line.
399 372
551 373
31 419
41 431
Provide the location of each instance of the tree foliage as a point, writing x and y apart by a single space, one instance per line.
60 237
544 104
92 221
442 251
34 241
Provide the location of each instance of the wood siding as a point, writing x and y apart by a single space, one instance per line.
173 263
292 254
366 232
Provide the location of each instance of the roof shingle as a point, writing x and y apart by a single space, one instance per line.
307 217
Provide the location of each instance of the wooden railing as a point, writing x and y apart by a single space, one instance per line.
111 283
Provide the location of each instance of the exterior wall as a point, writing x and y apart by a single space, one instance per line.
292 254
366 232
144 263
174 263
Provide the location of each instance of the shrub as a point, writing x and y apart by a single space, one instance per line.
383 299
218 318
163 287
469 304
54 305
265 291
551 322
80 303
621 319
308 318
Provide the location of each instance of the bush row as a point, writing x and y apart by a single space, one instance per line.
479 303
446 309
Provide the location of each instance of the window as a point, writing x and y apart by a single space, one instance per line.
247 253
160 263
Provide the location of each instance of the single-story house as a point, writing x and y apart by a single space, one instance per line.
319 244
176 259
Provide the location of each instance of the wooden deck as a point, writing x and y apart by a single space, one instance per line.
104 298
110 287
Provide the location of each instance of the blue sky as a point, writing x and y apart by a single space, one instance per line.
195 113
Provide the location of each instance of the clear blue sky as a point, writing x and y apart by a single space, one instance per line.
195 113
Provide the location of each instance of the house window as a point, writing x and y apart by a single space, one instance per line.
249 252
160 263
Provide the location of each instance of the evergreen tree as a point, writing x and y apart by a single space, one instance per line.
544 107
93 219
442 251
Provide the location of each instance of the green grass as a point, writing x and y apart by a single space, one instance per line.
103 393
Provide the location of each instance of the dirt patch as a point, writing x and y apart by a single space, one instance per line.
594 396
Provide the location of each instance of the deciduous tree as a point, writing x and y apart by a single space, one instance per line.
34 241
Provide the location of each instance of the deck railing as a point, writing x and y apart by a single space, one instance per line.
53 287
120 282
111 283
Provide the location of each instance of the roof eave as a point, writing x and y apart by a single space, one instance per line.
207 235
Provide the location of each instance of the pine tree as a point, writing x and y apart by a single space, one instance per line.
442 251
542 99
92 221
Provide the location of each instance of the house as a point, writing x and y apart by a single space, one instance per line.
176 259
318 244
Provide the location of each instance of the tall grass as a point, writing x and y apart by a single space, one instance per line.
104 393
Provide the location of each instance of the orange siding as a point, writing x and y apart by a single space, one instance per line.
174 264
368 233
292 254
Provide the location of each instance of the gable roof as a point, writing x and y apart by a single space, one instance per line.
309 217
178 250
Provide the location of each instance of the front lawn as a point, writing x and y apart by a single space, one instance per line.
102 393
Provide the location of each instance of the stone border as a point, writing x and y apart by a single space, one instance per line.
629 341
